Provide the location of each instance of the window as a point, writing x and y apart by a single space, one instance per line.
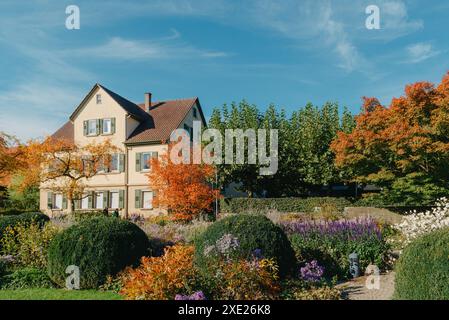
98 98
107 126
146 157
147 198
99 200
58 202
85 202
194 113
92 127
114 196
189 130
115 162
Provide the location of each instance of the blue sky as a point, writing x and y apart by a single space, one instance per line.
266 51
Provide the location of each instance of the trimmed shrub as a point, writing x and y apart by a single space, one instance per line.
242 236
10 212
99 247
263 205
422 272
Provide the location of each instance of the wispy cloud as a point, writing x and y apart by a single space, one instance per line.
140 50
419 52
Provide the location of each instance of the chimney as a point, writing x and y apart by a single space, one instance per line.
147 101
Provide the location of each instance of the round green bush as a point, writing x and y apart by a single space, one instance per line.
99 247
253 232
422 272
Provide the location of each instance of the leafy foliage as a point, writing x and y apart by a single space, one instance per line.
422 271
162 278
182 188
99 247
24 219
62 166
26 278
403 148
28 243
11 157
305 159
252 232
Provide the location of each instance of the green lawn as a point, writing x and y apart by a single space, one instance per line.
57 294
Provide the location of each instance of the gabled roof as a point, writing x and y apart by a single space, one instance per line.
66 132
163 118
155 126
127 105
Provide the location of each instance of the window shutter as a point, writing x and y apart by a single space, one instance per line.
101 126
122 162
50 200
138 162
86 127
138 199
98 126
121 199
105 199
112 125
77 204
64 203
90 200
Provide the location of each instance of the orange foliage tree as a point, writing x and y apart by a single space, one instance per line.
403 147
62 166
11 157
183 189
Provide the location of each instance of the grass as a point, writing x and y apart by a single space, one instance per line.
57 294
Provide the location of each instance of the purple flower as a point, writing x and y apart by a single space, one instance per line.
258 254
199 295
312 272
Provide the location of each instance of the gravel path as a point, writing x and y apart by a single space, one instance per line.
357 290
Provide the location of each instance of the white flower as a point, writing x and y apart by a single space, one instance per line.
417 224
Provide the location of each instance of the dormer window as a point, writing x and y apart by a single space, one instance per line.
98 98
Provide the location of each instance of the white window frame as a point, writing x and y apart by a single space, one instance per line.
111 199
98 99
146 163
103 126
148 206
115 155
99 196
85 202
92 124
58 198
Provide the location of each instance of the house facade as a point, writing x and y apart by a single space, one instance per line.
141 131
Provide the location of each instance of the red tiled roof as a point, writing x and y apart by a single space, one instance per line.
155 126
66 132
163 118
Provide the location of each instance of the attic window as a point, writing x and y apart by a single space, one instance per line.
194 112
98 98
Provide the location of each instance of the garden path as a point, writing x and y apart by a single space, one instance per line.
356 289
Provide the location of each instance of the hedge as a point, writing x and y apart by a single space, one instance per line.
99 247
262 205
422 272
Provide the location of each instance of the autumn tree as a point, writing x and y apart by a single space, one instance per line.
183 189
11 152
63 166
403 147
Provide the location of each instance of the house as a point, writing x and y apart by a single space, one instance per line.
141 131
